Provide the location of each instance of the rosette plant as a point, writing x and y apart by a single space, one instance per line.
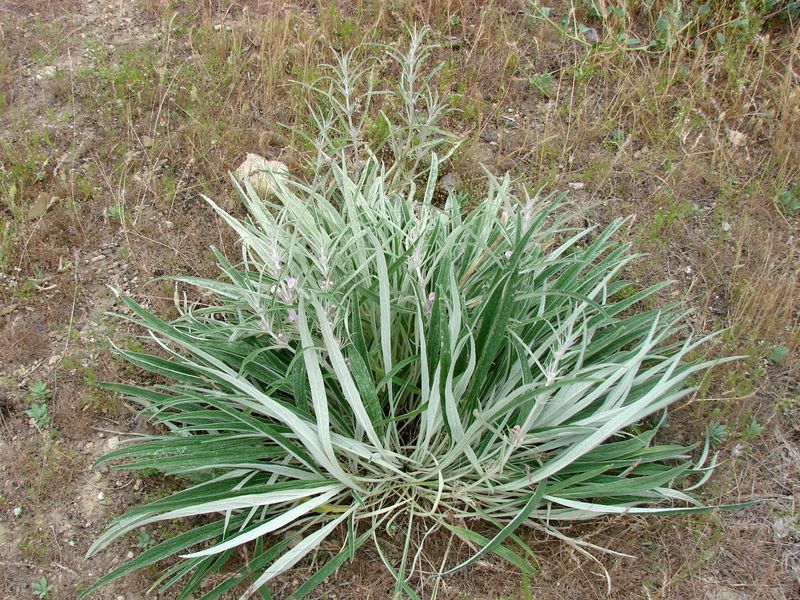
375 364
378 367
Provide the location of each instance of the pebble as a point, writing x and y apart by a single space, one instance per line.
262 174
98 258
450 182
782 528
490 135
577 185
47 72
736 138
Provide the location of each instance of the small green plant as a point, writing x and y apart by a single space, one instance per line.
670 24
144 540
754 429
28 288
616 140
40 392
41 418
116 213
543 84
789 200
717 432
778 354
42 588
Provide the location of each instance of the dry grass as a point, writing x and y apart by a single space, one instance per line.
102 160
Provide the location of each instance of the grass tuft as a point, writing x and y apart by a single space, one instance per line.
377 361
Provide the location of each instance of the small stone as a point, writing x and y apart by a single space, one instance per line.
490 135
40 206
726 226
262 174
130 554
101 496
112 443
137 485
98 258
47 72
782 528
737 138
450 182
147 141
577 185
688 270
723 593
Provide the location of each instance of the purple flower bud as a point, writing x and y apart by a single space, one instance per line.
428 304
286 293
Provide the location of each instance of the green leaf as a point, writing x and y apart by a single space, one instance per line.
158 552
503 552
